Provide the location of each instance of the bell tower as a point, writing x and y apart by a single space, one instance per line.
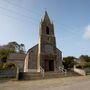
46 45
44 56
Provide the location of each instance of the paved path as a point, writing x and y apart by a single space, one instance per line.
69 83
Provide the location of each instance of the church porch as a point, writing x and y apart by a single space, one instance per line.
48 63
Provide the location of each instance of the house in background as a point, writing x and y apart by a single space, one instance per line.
18 59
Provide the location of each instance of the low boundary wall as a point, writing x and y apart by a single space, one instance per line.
8 73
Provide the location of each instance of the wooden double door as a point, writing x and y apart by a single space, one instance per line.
49 65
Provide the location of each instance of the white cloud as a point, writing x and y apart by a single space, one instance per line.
87 32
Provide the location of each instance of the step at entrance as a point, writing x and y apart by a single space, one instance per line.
29 76
47 75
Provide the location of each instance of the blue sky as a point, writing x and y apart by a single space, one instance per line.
19 21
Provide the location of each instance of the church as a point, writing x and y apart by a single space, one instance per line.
45 55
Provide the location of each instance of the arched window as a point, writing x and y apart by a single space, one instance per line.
47 30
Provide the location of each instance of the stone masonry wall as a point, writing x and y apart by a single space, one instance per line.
8 73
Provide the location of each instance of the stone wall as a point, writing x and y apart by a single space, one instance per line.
18 63
33 52
80 71
59 59
30 64
87 70
18 59
8 73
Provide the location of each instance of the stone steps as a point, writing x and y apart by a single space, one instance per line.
53 75
48 75
72 73
29 76
60 75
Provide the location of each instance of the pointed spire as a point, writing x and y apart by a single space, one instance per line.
46 17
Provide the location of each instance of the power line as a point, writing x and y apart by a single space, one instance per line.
70 27
71 35
74 34
37 14
28 10
16 18
34 23
70 30
17 13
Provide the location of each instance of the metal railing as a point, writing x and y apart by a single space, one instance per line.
61 69
42 71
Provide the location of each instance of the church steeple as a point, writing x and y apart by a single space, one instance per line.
46 18
46 26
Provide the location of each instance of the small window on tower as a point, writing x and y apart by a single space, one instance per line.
47 30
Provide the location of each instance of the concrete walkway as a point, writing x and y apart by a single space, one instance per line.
69 83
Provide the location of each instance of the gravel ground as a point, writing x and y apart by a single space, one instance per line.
69 83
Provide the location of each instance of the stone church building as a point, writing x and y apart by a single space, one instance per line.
45 54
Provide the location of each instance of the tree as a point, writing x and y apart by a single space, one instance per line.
4 53
84 58
9 65
68 62
13 45
1 65
84 61
20 48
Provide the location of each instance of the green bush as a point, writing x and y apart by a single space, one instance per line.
4 53
68 62
78 66
84 65
9 65
87 64
1 65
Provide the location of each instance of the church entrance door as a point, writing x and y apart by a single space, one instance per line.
49 65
